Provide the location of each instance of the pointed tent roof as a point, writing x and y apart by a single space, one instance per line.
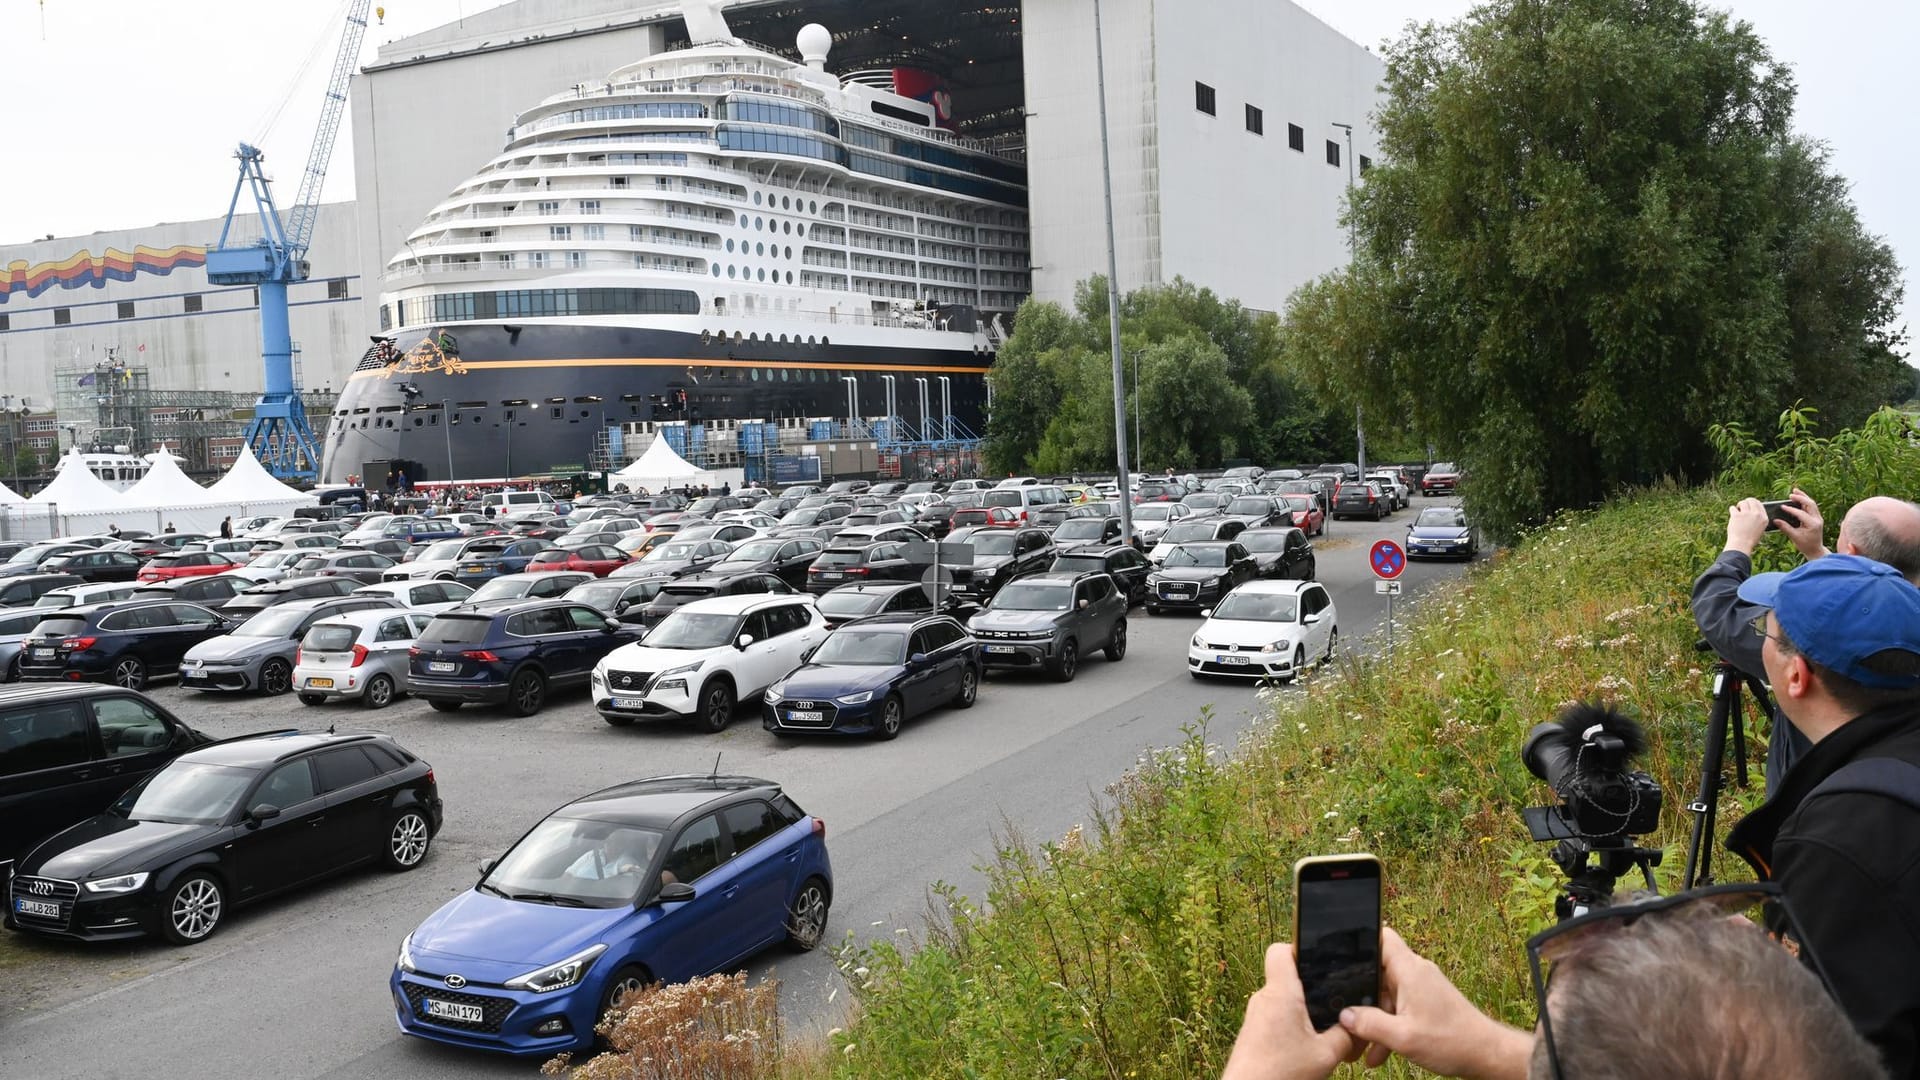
76 489
660 464
248 481
166 485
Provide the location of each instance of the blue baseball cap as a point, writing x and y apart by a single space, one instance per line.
1840 611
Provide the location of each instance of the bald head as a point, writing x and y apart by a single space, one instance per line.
1885 530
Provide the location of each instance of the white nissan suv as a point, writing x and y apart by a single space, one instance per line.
706 657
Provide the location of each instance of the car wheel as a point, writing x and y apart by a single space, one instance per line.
1299 662
313 699
407 841
129 673
379 692
13 670
716 705
443 577
1151 610
621 989
1065 668
1117 648
443 705
527 692
191 910
969 688
276 677
1333 642
892 712
807 916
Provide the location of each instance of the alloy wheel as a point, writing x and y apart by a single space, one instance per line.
807 919
195 909
379 692
969 688
276 677
407 842
130 674
890 715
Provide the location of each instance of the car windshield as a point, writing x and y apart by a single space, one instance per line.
1298 503
694 630
1009 498
576 862
187 793
273 560
1033 596
991 543
1204 501
456 630
1189 530
1444 516
1259 607
1444 467
272 623
1081 563
445 550
503 588
671 553
1080 529
866 647
1197 556
845 603
1250 506
1263 541
601 594
1152 513
755 551
806 516
330 637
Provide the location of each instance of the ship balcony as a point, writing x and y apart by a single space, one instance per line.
470 269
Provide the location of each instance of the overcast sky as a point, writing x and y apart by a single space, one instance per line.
125 113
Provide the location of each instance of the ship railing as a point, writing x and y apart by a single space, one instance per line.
413 268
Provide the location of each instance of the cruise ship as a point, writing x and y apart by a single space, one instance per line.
715 232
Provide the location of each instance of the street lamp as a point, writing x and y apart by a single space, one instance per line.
1113 289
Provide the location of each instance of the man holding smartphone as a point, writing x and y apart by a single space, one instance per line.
1880 528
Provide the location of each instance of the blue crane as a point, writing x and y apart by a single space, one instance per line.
279 433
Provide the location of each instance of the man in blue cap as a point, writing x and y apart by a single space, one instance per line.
1841 831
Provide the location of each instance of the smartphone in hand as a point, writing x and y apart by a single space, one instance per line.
1336 933
1774 515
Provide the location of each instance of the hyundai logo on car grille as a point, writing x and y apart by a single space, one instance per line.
455 982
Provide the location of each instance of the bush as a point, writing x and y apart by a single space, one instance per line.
714 1028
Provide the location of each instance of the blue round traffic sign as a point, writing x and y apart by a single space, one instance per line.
1387 559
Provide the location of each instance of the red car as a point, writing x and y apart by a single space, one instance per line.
974 516
1307 515
185 564
596 559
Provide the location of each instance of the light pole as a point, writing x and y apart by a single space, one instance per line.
1359 429
1113 289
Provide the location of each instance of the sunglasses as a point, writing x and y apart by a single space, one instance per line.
1759 626
1763 902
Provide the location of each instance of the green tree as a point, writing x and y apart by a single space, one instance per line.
1199 413
1027 380
1591 237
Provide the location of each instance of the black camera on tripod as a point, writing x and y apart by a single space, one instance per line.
1585 756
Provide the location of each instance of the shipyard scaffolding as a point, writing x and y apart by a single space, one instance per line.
110 404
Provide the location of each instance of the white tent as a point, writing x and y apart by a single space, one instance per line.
8 495
74 489
165 485
248 481
661 468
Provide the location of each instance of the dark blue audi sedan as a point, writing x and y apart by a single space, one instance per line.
664 879
869 676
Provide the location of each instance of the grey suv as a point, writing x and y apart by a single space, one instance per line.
1048 620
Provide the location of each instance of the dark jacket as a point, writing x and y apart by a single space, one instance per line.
1849 863
1726 621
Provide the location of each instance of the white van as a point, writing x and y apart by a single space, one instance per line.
513 502
1024 500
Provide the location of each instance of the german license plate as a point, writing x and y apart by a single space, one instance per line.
193 675
471 569
1233 661
42 654
802 717
43 908
442 666
999 648
629 703
453 1010
831 575
320 684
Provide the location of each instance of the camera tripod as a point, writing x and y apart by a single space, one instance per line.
1590 884
1725 716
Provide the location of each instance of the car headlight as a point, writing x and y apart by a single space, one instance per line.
598 678
405 960
668 680
1279 646
125 883
557 976
1214 584
860 698
1197 643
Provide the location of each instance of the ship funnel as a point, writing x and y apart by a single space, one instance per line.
814 42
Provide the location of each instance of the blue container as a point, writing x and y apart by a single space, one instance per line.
820 429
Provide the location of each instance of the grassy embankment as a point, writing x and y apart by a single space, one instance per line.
1127 949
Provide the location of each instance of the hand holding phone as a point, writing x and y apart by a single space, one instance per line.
1336 933
1774 514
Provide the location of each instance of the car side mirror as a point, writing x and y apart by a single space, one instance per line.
486 866
918 659
608 628
1083 603
263 812
745 640
1206 613
674 892
1310 618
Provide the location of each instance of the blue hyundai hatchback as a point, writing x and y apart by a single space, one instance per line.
657 880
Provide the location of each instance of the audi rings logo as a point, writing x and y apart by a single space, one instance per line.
455 982
806 704
41 888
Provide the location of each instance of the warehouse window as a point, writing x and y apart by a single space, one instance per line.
1203 98
337 289
62 316
125 309
1365 163
1296 138
190 303
1333 152
1256 121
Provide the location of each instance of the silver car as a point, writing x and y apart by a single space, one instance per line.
259 653
362 655
16 626
427 596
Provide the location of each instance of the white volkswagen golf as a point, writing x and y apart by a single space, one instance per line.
1266 630
707 657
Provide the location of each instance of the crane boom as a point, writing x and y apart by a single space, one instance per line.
300 221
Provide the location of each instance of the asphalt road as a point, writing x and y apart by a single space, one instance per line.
296 988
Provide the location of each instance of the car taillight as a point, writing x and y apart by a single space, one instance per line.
859 570
429 776
359 655
296 655
413 650
485 656
78 643
819 828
